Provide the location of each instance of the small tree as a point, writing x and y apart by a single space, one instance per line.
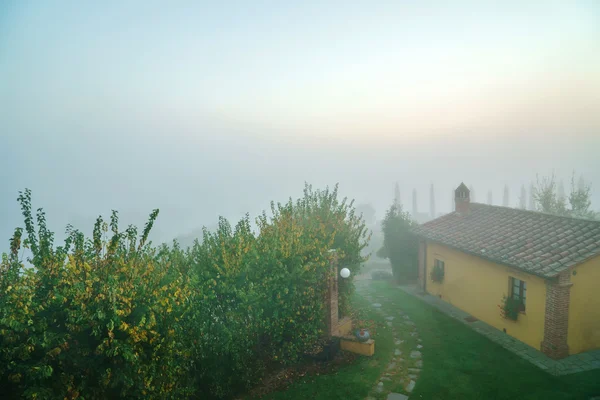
399 244
546 198
579 199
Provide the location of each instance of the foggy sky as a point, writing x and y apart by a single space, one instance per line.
204 110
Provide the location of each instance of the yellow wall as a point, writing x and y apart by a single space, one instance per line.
584 308
476 286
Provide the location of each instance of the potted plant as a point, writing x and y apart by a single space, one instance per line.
437 274
510 308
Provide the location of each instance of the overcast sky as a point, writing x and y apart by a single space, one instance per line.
215 108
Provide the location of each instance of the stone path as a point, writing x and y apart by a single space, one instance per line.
576 363
406 364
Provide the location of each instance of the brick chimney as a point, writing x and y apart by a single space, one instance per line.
462 199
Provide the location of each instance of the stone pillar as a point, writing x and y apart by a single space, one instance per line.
556 324
332 297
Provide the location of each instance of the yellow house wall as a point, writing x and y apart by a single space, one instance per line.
477 286
584 308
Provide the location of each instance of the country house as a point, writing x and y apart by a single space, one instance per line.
549 264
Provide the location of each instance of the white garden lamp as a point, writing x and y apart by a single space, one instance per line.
344 273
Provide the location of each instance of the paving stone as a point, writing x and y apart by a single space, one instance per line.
415 354
414 370
397 352
399 342
419 364
389 318
389 323
419 346
412 376
379 387
560 367
396 396
540 365
376 305
392 365
411 385
409 323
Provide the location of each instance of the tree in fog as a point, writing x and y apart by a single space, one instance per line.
505 197
415 206
471 194
546 196
581 185
523 198
531 205
562 197
368 213
490 201
397 194
431 202
400 246
580 199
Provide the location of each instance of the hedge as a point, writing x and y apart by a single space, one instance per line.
111 316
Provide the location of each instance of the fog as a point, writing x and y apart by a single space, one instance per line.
93 117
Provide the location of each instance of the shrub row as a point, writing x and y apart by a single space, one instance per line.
111 316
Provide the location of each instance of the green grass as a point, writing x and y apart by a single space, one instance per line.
462 364
458 363
352 382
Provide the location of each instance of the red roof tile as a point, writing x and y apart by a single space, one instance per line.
538 243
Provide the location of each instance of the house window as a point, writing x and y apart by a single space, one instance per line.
439 264
518 291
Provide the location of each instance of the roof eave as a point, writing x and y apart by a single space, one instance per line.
493 260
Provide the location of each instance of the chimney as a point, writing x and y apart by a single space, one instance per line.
462 199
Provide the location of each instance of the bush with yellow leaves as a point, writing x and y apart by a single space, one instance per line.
113 317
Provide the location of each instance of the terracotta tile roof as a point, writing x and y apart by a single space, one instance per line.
538 243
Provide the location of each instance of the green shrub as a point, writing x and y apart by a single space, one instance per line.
101 321
400 246
266 292
113 317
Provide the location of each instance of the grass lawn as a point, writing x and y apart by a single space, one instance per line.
462 364
458 363
352 382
